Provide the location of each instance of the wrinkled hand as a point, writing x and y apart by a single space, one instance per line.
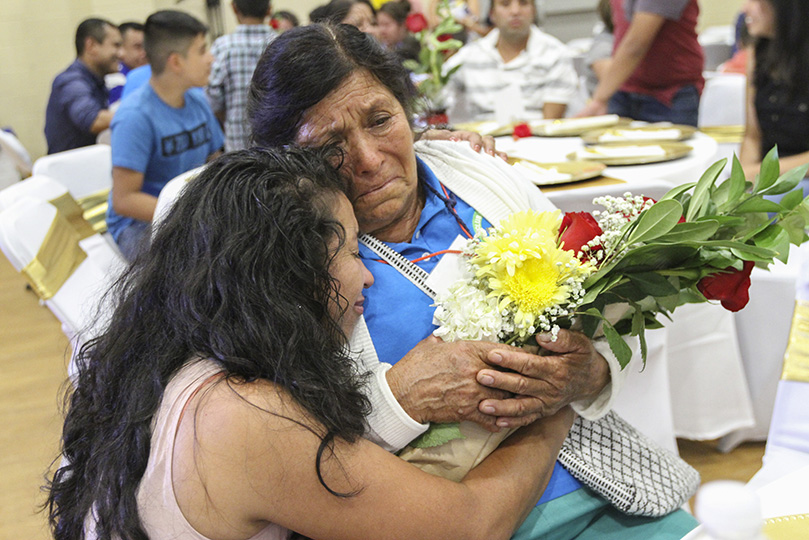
571 370
477 141
593 108
435 382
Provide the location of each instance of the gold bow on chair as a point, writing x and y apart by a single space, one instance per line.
58 256
796 358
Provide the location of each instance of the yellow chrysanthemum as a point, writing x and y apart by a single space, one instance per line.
525 267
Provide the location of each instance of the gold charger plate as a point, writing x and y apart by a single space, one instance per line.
578 170
594 136
671 150
787 527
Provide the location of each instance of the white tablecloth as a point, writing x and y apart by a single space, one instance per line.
678 171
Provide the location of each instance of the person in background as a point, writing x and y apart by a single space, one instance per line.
133 55
777 84
162 129
221 401
599 57
78 107
358 13
392 31
516 53
656 70
738 62
282 21
235 57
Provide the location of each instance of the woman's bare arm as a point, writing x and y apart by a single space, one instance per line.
240 467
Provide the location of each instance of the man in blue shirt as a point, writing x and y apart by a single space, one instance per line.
133 55
78 108
162 129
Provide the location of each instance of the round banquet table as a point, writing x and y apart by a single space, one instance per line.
677 171
705 394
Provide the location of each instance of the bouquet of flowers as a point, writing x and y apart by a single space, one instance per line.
436 45
613 272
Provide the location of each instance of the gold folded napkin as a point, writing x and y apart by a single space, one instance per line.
620 135
567 125
629 151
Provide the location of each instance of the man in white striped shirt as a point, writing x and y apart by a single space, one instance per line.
514 59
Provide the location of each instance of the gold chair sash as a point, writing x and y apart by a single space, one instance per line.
796 358
95 209
57 258
70 210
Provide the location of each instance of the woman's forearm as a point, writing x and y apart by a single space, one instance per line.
512 479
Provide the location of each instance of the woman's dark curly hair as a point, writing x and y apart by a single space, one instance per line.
785 57
303 65
238 273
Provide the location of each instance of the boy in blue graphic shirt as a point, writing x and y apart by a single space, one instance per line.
163 129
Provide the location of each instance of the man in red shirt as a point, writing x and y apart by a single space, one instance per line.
656 72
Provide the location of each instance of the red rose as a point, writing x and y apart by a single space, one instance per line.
729 286
522 130
577 229
416 22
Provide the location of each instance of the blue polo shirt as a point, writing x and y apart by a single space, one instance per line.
77 96
151 137
399 314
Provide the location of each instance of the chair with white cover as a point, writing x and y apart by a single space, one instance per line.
723 101
38 187
15 163
787 447
170 192
722 111
69 269
717 44
84 171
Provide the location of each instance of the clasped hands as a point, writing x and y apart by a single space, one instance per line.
496 385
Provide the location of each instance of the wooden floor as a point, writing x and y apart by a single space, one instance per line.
33 354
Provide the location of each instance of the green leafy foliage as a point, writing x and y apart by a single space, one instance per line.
433 53
659 261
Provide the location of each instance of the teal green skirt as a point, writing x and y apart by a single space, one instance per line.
583 515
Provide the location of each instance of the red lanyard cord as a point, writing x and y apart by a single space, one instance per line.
449 202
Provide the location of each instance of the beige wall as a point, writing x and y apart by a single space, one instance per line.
36 43
718 12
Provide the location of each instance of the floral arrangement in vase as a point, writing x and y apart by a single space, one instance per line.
436 45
